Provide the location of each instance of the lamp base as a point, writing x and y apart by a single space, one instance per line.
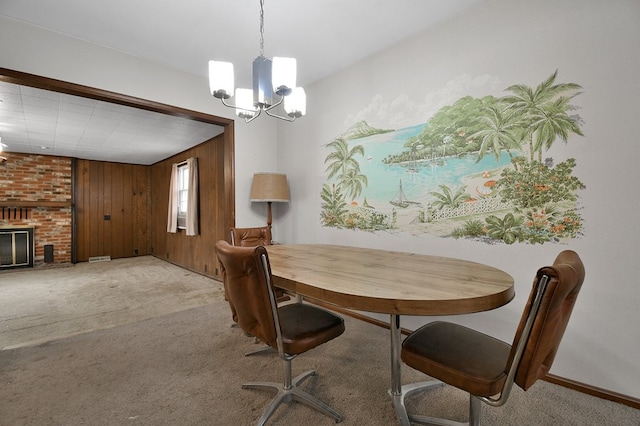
269 217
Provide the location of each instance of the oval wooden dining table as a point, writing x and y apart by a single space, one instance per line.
389 282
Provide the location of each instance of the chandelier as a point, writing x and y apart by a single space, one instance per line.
271 79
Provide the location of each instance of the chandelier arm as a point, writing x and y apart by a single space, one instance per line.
256 112
240 108
271 114
270 107
250 119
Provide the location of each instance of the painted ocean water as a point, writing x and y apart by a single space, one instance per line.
418 178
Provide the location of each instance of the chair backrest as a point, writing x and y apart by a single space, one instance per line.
560 285
246 273
251 237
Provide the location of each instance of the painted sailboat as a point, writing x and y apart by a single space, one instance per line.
400 199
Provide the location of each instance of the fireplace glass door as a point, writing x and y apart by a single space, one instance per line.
16 248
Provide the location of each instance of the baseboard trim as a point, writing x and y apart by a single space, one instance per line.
551 378
593 391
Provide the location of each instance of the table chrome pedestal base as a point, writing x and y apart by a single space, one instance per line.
411 390
398 392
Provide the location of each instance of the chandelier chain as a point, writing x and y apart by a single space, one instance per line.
261 27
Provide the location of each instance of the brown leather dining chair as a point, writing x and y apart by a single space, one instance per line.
485 367
248 237
251 237
291 329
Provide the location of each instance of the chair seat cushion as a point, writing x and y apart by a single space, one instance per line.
304 327
459 356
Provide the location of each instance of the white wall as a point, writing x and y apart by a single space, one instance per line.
33 50
500 43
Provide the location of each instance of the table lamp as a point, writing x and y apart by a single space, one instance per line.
269 187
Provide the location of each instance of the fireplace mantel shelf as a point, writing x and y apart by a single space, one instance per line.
18 204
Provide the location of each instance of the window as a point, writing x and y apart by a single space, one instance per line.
183 191
183 203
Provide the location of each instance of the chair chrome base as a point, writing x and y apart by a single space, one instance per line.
292 394
424 420
262 350
475 405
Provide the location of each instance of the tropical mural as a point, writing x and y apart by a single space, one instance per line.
476 169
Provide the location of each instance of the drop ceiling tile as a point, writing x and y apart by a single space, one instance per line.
34 92
77 108
11 115
39 116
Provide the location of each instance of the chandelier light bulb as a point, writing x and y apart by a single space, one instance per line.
221 79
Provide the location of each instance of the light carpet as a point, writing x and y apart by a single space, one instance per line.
42 304
186 367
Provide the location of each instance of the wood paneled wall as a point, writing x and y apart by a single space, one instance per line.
121 210
113 209
197 252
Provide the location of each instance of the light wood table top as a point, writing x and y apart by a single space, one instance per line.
389 282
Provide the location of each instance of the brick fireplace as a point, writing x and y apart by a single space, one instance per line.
35 192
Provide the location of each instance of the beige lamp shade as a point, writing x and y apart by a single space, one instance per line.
270 187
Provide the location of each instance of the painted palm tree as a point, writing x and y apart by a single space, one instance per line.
342 158
449 198
343 164
500 132
553 122
333 206
353 182
539 110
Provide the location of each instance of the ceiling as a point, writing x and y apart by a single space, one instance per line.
324 36
38 121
